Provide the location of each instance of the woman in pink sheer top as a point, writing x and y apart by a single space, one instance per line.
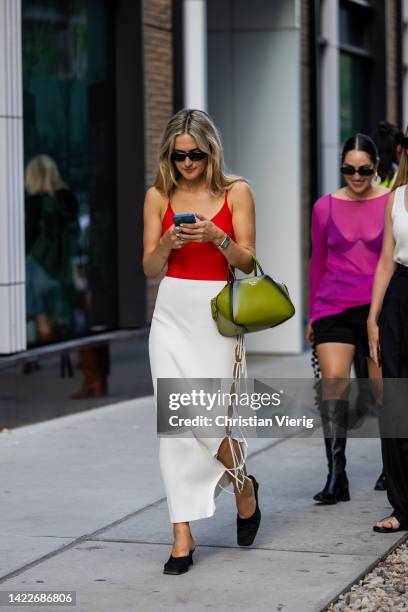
347 230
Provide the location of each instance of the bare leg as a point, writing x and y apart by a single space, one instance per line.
245 499
335 359
183 540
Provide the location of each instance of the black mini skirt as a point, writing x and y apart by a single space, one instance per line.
347 327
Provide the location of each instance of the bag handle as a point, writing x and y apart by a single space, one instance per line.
257 265
231 272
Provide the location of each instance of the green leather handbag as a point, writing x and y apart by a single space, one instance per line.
251 304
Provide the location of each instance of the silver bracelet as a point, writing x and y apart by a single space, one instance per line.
225 242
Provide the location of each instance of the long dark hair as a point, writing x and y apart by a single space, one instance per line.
360 142
386 139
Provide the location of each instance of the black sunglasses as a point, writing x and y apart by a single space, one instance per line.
180 156
362 171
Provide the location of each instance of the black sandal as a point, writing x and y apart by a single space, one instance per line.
388 529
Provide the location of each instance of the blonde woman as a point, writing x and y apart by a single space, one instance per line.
184 341
42 176
52 233
387 328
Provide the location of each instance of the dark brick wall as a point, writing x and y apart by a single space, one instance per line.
391 62
158 91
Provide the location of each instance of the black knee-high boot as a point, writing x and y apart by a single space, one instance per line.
335 416
328 445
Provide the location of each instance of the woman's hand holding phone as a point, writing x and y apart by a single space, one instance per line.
171 238
204 230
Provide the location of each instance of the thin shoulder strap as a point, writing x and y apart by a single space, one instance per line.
403 192
399 200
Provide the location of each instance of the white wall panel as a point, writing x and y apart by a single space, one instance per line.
12 309
11 199
255 98
330 102
195 53
12 249
10 59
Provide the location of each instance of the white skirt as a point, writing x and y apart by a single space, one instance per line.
184 343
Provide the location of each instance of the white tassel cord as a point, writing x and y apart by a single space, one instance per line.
237 472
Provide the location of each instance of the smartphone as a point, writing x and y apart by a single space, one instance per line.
185 218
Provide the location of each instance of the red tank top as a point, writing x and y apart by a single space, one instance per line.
200 260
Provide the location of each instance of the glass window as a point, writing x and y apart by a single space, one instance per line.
354 26
354 83
69 146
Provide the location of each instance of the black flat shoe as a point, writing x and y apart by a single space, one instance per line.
178 565
248 528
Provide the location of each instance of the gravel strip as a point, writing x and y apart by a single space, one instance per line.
384 589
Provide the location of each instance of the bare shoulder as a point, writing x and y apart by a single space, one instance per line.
240 195
240 189
155 196
155 201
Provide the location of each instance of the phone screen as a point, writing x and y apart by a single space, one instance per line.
185 218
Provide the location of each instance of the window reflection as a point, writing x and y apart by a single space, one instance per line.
69 158
53 269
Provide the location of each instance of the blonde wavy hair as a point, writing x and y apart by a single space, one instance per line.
200 126
42 176
402 176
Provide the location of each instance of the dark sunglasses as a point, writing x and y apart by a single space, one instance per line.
180 156
362 171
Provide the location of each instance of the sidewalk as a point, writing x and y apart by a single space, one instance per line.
83 508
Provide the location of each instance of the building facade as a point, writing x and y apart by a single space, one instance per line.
90 84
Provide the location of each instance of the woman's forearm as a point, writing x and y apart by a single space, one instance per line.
236 255
239 257
155 262
382 278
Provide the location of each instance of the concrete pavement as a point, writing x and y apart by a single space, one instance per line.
83 508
